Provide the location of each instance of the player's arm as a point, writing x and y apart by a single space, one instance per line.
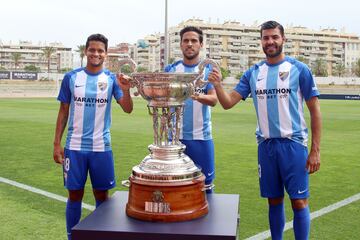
227 100
125 101
313 161
208 99
61 121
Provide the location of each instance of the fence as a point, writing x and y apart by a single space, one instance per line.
42 87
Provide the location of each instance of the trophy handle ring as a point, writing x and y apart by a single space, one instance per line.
133 66
128 61
199 82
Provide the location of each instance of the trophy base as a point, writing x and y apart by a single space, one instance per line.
167 201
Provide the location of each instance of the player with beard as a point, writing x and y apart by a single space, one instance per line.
195 126
85 104
279 86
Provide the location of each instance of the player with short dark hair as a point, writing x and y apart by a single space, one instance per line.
279 86
195 132
85 105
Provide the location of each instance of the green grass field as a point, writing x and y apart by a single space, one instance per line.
26 136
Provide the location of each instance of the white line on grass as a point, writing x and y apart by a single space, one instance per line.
42 192
323 211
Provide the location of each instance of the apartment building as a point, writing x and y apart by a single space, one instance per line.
33 54
328 44
237 46
114 54
149 51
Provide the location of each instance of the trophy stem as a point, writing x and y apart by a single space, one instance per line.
166 124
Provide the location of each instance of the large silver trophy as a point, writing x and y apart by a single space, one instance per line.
166 185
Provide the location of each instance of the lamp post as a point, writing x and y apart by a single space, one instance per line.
166 47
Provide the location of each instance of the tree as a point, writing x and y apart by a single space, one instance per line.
224 72
126 69
48 52
356 68
31 68
65 70
302 59
239 75
171 60
81 51
319 68
340 69
141 69
16 56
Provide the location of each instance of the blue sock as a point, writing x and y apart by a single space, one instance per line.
98 202
277 220
73 215
301 223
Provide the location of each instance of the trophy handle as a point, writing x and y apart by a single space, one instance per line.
129 61
199 81
210 186
125 183
133 65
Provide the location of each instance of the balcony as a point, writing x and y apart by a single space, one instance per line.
227 54
234 62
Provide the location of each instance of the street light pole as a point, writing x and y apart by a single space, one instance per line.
166 47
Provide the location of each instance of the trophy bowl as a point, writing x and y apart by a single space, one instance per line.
165 89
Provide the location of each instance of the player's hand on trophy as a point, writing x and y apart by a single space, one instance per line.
195 96
58 154
123 81
215 77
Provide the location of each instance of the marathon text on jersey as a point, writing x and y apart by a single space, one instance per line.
90 100
273 91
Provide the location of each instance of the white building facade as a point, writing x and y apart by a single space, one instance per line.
33 54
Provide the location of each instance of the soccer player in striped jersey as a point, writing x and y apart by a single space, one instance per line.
195 127
279 86
85 105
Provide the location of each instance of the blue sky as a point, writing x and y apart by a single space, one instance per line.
70 22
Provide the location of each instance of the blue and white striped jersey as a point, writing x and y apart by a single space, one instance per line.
196 120
89 96
278 92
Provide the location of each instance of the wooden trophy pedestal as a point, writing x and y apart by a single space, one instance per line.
167 201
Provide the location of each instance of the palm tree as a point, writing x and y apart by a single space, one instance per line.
81 51
356 68
319 68
16 56
340 69
48 52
